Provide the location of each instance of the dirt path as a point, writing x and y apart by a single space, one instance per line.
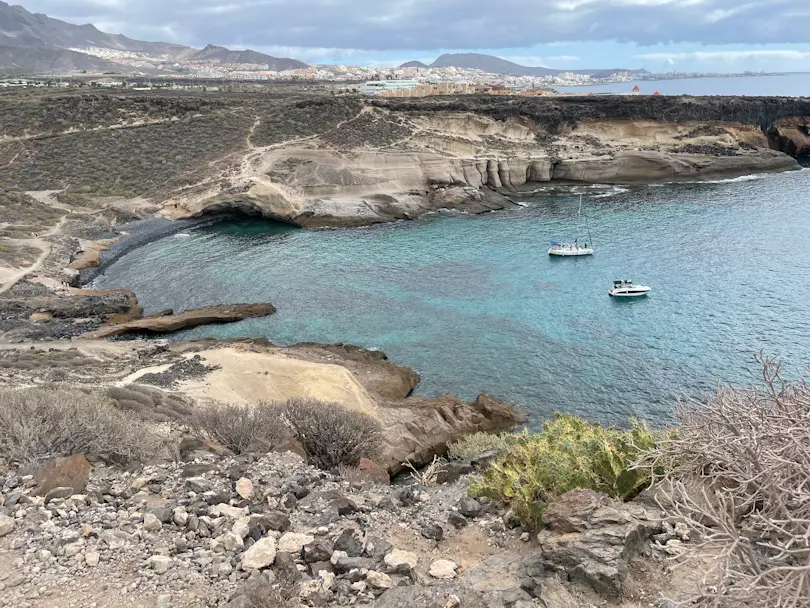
46 251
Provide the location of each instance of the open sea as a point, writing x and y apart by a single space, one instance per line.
780 85
474 303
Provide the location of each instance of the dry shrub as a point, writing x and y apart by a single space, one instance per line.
429 475
331 434
152 404
40 423
472 446
738 473
238 427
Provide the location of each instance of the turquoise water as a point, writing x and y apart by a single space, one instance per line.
474 303
782 85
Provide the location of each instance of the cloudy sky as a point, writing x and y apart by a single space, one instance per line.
659 35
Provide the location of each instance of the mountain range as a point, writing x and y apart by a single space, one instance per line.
32 42
228 56
496 65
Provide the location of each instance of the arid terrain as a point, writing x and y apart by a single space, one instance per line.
201 525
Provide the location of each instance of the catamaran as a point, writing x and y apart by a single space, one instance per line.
573 249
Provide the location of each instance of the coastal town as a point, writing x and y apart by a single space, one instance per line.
199 71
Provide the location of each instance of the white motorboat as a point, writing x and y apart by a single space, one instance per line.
572 249
627 289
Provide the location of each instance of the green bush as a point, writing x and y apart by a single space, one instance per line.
568 454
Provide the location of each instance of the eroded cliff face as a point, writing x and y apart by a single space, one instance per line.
791 135
391 163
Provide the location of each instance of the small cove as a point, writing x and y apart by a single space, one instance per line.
474 304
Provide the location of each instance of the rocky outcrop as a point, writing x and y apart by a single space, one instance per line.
417 429
590 539
326 188
70 472
79 304
561 114
791 135
646 167
223 313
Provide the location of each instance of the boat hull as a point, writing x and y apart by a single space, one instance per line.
623 293
562 253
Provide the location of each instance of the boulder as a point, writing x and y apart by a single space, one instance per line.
417 429
400 562
372 472
469 507
151 523
432 532
198 484
590 540
69 472
350 541
57 493
317 551
443 569
228 511
6 525
261 555
378 580
292 542
160 563
244 487
275 521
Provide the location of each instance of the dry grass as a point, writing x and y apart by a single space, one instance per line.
738 473
40 423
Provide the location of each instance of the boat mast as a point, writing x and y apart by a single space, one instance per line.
587 224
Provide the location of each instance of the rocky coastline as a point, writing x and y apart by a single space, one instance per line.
213 527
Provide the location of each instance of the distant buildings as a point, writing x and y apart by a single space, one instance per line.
387 87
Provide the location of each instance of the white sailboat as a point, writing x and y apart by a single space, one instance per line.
573 249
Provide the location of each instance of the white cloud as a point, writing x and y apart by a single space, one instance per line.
554 61
727 56
379 25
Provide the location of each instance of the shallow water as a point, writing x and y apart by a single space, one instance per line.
474 303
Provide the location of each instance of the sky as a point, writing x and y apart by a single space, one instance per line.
658 35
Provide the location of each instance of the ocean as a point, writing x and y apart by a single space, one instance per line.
783 85
475 304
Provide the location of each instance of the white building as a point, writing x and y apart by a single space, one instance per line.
375 87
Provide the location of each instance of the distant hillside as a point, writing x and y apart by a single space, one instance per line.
19 28
414 64
212 52
42 61
35 43
488 63
496 65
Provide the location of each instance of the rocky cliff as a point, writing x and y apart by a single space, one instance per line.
399 159
315 160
